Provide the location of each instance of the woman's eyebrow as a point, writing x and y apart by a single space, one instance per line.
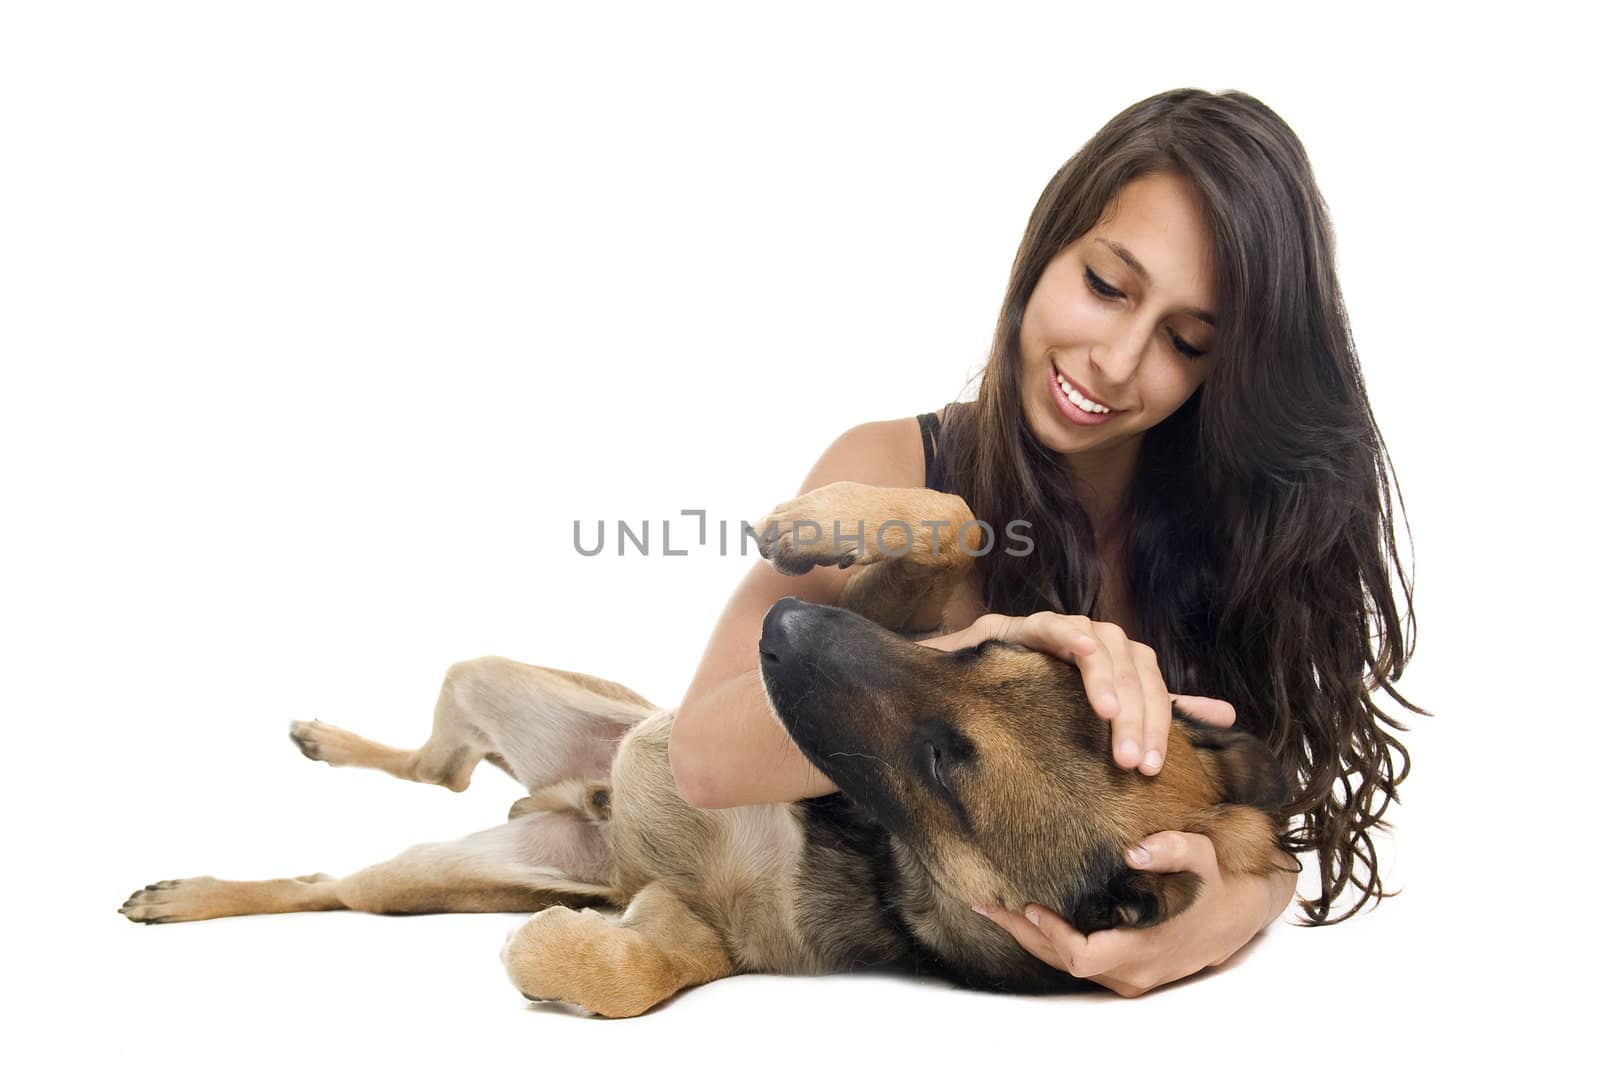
1122 253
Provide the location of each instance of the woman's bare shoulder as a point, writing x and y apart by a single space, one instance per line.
886 453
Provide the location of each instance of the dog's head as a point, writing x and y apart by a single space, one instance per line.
993 775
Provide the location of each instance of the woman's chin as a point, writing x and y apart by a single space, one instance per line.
1057 437
1064 441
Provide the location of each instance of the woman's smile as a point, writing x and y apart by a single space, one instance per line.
1077 403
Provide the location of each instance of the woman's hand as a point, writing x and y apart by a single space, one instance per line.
1120 675
1229 911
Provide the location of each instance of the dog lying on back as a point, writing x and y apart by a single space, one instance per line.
975 775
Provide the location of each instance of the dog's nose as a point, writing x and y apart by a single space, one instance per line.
781 629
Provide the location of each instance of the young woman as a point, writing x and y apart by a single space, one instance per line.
1173 402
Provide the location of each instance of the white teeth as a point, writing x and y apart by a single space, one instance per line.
1078 399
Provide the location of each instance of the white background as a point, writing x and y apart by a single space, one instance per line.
322 322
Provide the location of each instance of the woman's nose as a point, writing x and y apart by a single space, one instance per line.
1117 358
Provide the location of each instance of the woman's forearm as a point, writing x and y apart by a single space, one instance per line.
727 749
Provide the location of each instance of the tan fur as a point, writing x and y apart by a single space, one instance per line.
1243 838
617 967
707 892
476 696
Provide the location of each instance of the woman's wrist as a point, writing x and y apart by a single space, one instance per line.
1280 886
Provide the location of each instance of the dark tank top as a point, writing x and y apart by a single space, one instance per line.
932 470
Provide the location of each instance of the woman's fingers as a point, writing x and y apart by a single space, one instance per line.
1157 710
1121 677
1173 850
1071 637
1049 937
1128 728
1086 957
1208 710
982 629
1028 936
1111 678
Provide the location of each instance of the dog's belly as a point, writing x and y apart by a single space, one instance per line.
735 868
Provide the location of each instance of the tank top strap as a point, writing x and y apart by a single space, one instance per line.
933 471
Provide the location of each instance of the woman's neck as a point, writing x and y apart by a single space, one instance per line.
1103 482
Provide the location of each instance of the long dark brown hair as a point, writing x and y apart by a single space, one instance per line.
1261 535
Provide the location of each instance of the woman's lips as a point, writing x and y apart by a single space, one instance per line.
1071 410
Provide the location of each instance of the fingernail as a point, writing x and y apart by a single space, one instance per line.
1033 915
1138 855
1152 761
1108 702
981 909
1129 750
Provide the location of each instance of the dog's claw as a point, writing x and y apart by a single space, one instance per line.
831 519
303 735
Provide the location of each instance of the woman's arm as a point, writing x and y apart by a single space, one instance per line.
738 753
726 747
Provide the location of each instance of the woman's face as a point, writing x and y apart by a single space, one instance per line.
1115 334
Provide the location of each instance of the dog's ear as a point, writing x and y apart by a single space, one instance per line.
1135 898
1241 765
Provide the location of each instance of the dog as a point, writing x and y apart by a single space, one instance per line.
975 775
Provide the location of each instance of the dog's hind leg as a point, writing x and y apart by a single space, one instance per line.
532 862
538 724
617 967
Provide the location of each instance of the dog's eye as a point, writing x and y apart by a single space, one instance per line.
932 765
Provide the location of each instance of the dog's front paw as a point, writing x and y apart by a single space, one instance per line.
582 958
826 527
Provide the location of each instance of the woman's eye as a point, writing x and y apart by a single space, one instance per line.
1100 286
1185 348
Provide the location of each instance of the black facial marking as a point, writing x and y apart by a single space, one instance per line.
941 752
